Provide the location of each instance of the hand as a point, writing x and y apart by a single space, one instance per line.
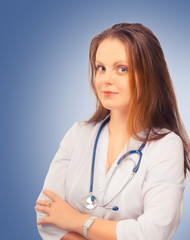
60 213
73 236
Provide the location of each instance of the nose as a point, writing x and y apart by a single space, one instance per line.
108 78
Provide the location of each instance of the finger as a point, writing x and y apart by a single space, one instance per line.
42 221
42 209
46 203
52 195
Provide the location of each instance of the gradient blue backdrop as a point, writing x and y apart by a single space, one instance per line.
44 87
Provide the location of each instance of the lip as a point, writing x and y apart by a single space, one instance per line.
109 93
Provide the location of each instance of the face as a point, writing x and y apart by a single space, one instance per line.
112 80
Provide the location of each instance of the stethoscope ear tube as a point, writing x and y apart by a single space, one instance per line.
136 168
139 151
115 208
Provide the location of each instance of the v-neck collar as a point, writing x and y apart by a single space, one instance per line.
123 151
101 177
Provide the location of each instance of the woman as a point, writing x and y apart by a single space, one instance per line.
138 195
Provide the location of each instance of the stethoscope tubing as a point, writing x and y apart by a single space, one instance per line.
135 169
106 203
94 153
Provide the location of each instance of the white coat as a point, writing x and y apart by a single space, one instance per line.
150 206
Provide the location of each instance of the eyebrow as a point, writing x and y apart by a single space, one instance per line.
115 63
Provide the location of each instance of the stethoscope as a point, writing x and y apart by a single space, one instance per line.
90 201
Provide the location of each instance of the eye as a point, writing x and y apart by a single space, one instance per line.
122 69
100 68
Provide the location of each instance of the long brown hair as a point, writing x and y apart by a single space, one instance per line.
153 103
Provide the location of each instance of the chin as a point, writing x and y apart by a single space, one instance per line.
113 107
109 106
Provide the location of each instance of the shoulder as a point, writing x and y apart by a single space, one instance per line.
170 140
78 130
82 127
167 149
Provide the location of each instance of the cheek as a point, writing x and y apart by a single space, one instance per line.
125 91
97 84
124 85
96 88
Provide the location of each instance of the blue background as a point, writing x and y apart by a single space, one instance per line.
44 87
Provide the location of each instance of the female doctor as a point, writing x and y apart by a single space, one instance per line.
121 174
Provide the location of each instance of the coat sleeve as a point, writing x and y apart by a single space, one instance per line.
162 194
55 181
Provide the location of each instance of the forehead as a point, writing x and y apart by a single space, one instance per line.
112 49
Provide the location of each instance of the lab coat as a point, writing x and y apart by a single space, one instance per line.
150 205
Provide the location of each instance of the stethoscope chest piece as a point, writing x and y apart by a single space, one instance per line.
88 202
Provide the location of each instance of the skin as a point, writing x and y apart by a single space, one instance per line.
62 215
111 75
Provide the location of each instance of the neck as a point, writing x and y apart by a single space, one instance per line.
118 123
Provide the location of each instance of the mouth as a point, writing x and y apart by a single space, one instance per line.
109 93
